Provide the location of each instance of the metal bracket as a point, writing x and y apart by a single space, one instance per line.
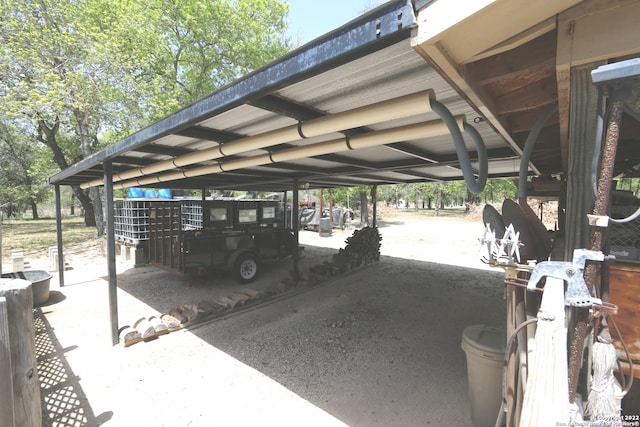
577 294
598 220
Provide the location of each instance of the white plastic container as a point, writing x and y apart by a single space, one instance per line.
484 346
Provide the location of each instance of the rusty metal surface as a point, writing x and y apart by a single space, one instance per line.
625 293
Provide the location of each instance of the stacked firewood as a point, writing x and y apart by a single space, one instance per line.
362 247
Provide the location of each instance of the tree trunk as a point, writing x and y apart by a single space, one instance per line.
82 118
438 201
364 209
34 209
98 214
87 206
47 136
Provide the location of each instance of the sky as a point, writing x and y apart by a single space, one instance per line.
309 19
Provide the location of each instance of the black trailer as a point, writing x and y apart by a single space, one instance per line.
198 237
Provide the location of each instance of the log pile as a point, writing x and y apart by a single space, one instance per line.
362 248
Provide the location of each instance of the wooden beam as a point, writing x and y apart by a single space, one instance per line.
518 79
524 122
438 58
538 54
535 96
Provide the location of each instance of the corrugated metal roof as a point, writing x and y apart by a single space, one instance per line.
365 62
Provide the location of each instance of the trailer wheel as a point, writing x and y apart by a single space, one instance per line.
245 268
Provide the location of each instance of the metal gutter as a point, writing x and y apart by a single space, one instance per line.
375 30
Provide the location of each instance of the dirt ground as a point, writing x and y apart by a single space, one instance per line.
377 346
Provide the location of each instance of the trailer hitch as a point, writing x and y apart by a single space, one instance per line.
577 294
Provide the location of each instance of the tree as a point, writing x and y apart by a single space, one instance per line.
498 189
346 196
58 77
208 44
73 71
24 169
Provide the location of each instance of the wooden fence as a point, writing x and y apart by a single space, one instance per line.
19 389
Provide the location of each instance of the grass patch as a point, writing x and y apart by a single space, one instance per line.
35 236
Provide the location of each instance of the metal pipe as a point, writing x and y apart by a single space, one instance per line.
392 109
528 149
371 139
475 186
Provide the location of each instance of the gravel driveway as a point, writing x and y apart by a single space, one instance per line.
379 346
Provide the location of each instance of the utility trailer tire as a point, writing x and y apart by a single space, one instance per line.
245 268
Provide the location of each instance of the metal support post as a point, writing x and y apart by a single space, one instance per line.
111 253
59 236
294 226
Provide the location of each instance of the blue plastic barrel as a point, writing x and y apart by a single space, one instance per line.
150 194
164 193
135 193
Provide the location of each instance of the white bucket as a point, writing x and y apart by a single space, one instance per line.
484 347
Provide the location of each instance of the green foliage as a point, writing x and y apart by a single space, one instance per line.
124 64
24 169
499 189
344 196
629 184
209 44
452 193
78 75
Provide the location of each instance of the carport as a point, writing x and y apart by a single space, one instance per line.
353 108
409 92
